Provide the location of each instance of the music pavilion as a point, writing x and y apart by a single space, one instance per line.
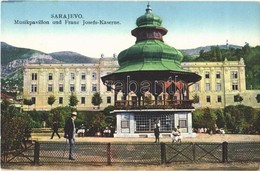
150 86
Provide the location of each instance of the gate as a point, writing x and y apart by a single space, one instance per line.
27 153
194 152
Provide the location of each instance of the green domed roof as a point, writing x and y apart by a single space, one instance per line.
150 55
149 19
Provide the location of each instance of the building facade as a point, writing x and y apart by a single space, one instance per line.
62 80
220 82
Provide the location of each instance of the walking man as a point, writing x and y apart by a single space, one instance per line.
69 133
156 132
55 129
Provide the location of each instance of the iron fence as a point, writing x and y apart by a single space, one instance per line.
138 153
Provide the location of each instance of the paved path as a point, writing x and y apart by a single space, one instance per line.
198 138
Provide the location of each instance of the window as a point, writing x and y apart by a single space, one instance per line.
60 100
207 75
83 100
109 88
50 76
219 99
196 86
34 88
33 100
83 87
34 76
207 86
49 87
183 120
72 76
234 74
218 75
208 99
94 87
60 87
72 88
94 76
83 76
61 76
234 86
218 87
109 100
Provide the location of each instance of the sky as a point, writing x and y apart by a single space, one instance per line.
190 24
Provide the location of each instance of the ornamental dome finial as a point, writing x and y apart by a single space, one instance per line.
149 19
148 9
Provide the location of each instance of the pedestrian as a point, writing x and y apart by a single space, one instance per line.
69 133
55 128
156 133
176 135
107 132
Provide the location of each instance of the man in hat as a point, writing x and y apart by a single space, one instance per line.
69 133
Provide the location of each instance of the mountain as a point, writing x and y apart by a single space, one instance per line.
196 51
72 57
13 58
10 53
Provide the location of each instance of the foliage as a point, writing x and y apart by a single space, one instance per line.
28 102
220 119
38 117
196 98
249 54
238 98
73 101
51 99
108 109
240 118
14 126
99 120
59 114
96 99
110 118
204 118
258 98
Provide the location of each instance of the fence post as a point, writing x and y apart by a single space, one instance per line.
224 152
36 152
163 153
108 153
193 152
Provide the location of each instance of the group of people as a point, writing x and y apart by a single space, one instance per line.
70 132
176 133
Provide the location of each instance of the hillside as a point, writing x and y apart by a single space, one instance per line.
196 51
72 57
10 53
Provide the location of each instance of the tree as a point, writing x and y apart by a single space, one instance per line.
258 98
59 114
238 98
73 101
51 100
28 102
96 99
14 126
110 118
196 98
